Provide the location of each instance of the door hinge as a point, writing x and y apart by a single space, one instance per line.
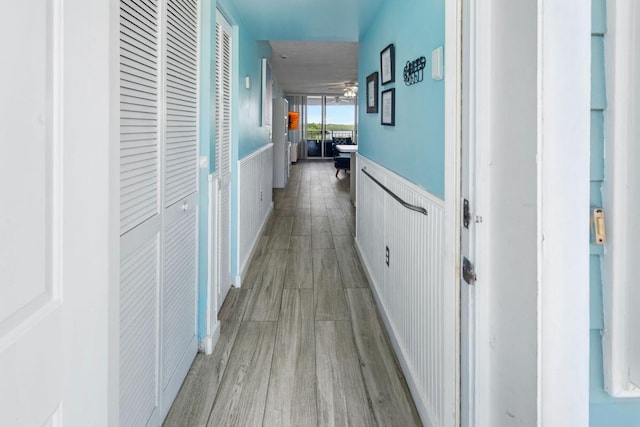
466 213
468 271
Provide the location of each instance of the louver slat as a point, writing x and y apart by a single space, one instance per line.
181 88
138 112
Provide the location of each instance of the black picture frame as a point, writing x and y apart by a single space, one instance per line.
372 93
266 92
388 107
388 65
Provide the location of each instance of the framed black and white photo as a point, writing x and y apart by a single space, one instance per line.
388 103
266 92
387 65
372 93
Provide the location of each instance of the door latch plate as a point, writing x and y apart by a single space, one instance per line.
466 213
468 271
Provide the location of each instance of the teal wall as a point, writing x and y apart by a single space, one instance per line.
414 147
604 410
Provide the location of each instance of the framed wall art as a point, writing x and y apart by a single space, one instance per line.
266 92
387 65
388 105
372 93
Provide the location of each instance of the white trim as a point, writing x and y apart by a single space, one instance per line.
212 323
619 132
451 244
479 76
563 97
113 317
209 341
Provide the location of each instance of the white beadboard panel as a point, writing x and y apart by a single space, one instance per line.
139 144
254 200
369 219
410 291
179 291
181 90
139 346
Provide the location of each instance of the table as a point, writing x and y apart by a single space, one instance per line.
351 149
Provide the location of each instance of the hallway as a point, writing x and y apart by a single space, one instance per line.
301 342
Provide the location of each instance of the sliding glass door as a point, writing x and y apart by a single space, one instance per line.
328 117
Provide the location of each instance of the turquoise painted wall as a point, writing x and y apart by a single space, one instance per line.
604 410
414 147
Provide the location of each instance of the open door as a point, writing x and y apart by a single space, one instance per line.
55 253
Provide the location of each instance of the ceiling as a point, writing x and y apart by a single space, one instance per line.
306 20
318 37
314 68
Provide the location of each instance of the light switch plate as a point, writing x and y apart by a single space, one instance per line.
436 63
203 162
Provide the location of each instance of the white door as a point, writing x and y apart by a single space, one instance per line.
159 50
180 198
54 221
140 214
30 287
223 151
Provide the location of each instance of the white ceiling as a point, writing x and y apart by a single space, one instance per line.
314 68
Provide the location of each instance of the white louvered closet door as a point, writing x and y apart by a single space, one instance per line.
159 51
140 217
223 152
179 329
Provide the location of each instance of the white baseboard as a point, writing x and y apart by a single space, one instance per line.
209 342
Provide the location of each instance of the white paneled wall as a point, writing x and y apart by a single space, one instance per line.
255 179
409 290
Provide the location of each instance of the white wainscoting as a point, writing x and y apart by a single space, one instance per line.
410 291
255 202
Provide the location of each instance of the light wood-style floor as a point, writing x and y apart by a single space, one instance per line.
301 343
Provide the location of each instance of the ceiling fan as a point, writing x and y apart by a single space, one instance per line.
349 90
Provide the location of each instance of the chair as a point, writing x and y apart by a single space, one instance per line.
341 161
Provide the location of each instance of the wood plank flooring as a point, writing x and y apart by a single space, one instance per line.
301 343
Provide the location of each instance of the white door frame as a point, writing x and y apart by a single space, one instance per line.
452 123
619 197
563 57
474 79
